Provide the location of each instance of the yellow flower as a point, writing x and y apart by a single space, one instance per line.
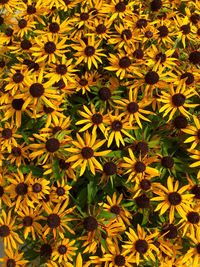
195 154
140 245
176 99
173 199
85 152
90 53
13 258
7 230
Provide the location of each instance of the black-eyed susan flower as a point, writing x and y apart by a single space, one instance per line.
121 64
57 219
85 152
194 131
89 52
48 48
19 188
62 69
117 9
13 258
7 230
117 128
8 136
60 191
28 218
133 109
116 256
173 198
176 99
63 252
138 167
23 27
115 206
4 198
18 154
49 146
39 187
195 154
140 245
92 118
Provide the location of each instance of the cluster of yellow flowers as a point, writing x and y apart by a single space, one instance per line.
100 133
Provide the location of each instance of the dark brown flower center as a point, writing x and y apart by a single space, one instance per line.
27 221
101 28
48 110
56 129
156 5
119 260
60 191
87 152
45 251
84 16
185 29
172 231
139 166
194 57
198 134
145 184
178 99
83 82
104 93
198 248
37 188
17 103
138 53
163 31
180 122
1 191
25 44
141 246
141 23
97 118
148 34
52 145
132 107
90 224
124 62
167 162
160 56
151 77
142 201
6 133
21 189
50 47
53 220
116 125
54 27
18 77
16 151
9 32
89 51
10 263
126 34
22 23
61 69
194 18
174 198
196 191
63 165
115 209
193 217
4 231
36 90
189 76
142 147
110 168
62 249
120 7
31 9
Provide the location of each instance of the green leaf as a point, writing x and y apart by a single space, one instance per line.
56 169
91 191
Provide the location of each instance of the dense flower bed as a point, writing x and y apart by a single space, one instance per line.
99 133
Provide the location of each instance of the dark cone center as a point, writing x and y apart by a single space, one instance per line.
115 209
6 133
52 145
37 188
61 69
17 103
160 56
142 147
119 260
193 217
174 198
142 201
116 125
120 7
172 231
22 23
87 152
97 118
141 23
139 166
62 249
196 191
50 47
180 122
27 221
124 62
145 184
189 76
31 9
83 82
156 5
178 99
18 77
60 191
89 51
167 162
36 89
104 93
101 28
194 57
21 189
10 263
163 31
90 224
132 107
185 29
4 231
53 220
126 34
54 27
110 168
141 246
16 151
151 77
